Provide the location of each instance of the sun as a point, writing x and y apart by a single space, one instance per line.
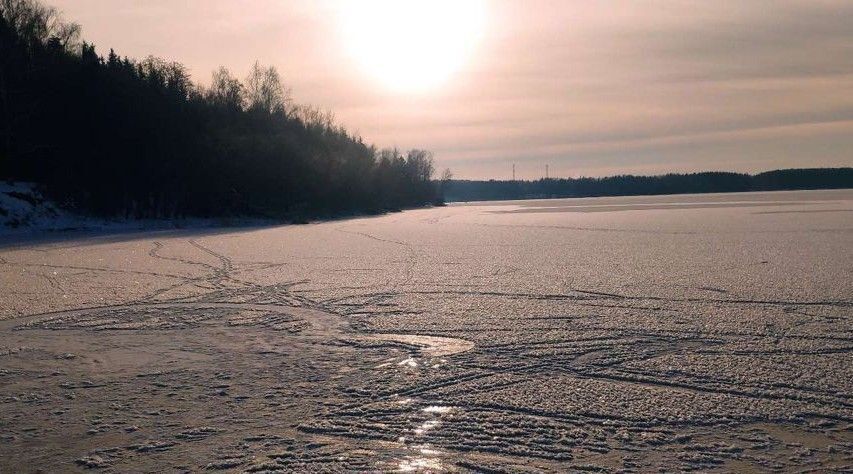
412 45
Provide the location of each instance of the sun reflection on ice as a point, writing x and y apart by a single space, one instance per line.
437 409
414 464
426 426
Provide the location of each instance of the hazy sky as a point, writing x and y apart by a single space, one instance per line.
588 87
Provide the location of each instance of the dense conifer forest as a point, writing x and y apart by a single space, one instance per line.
115 136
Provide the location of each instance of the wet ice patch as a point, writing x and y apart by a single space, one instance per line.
429 346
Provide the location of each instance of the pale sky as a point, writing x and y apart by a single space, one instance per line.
588 87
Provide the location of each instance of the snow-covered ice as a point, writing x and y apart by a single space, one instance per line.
675 333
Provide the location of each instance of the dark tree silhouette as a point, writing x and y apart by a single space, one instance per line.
120 137
226 92
628 185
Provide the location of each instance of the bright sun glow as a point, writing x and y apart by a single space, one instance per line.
412 45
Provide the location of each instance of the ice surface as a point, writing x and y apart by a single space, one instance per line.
708 332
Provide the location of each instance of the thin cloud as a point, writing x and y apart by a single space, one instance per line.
591 85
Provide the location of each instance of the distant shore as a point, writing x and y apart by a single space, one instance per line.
631 185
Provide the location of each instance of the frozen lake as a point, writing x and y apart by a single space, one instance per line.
691 332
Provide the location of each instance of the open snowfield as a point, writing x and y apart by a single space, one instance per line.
701 332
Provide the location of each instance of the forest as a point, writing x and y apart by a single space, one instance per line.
629 185
137 138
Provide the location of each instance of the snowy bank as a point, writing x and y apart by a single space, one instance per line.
25 210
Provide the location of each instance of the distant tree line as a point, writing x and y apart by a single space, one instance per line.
137 138
629 185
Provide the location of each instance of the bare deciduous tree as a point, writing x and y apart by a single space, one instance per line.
38 23
314 117
420 164
226 90
264 91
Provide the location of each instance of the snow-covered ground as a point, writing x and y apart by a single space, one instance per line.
23 207
24 211
649 334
